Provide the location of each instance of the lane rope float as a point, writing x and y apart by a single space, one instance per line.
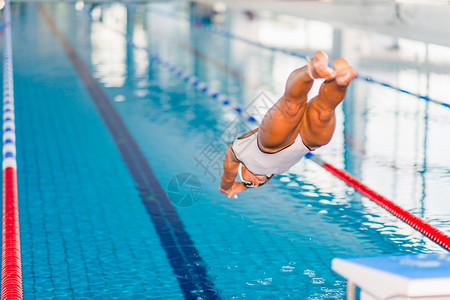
415 222
11 258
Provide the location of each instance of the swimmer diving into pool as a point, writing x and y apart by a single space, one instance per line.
290 129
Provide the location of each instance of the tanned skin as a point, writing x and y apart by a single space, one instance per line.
314 120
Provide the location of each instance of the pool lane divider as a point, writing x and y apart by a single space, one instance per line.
426 229
187 265
198 84
11 285
197 22
417 223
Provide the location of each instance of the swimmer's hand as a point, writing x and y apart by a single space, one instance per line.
232 192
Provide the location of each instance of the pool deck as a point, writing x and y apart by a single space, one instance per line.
423 22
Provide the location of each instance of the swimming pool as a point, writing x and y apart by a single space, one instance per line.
98 146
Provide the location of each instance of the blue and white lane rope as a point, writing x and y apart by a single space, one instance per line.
197 83
419 96
200 24
9 136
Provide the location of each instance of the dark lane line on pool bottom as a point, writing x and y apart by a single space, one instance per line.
184 258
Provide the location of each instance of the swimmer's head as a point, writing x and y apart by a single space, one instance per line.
249 179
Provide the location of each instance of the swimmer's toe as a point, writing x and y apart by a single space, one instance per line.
318 67
344 72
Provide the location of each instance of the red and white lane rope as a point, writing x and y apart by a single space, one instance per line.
417 223
11 260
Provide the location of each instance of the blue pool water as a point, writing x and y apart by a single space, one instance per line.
87 232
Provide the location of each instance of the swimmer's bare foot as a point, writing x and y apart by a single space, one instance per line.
344 72
318 67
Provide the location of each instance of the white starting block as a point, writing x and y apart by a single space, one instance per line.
415 277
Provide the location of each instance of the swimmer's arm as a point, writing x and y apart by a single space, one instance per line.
230 170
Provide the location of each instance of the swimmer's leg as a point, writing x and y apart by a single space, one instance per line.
280 125
319 122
